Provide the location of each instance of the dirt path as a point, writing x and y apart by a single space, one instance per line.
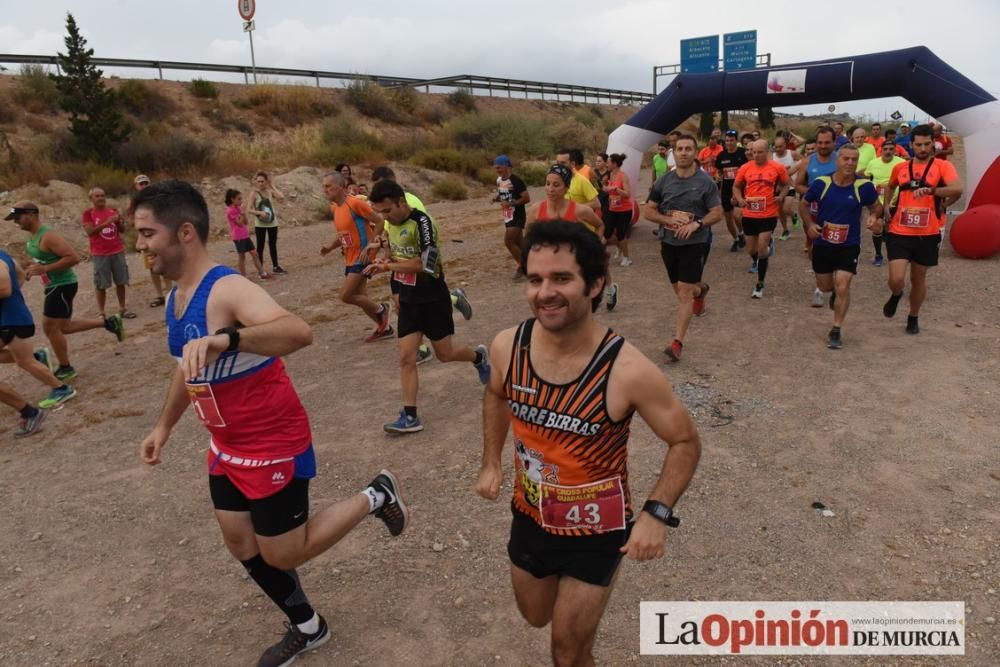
106 562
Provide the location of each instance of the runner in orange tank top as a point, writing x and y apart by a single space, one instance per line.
926 186
570 390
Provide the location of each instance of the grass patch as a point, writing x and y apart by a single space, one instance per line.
344 141
451 188
19 169
172 152
143 101
532 173
290 105
35 91
501 133
462 99
371 99
451 160
203 89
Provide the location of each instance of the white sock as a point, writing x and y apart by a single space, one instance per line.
375 498
311 626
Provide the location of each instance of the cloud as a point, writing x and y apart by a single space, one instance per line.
38 42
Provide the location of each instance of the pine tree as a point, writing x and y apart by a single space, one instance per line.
94 120
765 117
724 120
706 124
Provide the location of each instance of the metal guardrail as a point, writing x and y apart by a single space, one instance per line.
559 91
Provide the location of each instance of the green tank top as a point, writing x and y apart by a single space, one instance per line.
43 257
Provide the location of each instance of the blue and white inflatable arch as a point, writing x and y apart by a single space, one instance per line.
915 74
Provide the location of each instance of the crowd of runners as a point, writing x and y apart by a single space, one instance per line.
566 385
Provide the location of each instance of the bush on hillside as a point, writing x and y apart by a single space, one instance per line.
174 152
405 99
203 89
344 141
141 100
501 133
572 133
8 113
289 104
371 100
532 173
35 91
451 188
590 117
462 99
451 160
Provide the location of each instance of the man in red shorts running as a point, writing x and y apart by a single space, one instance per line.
228 336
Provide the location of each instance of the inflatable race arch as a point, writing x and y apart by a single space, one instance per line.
915 74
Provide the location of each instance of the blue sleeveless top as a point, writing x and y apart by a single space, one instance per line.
193 323
815 168
13 311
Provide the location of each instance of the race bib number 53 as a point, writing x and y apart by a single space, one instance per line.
756 204
203 402
599 507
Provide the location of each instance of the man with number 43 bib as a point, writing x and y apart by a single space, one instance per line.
569 390
926 186
227 335
835 230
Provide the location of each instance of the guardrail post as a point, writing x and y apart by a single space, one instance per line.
246 78
160 68
317 80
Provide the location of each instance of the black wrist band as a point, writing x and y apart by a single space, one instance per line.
234 337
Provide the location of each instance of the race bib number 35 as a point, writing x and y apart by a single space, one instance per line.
599 507
835 233
203 402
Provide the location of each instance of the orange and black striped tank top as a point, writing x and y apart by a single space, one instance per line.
566 448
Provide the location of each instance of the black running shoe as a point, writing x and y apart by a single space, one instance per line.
833 341
912 325
278 271
889 309
292 644
393 511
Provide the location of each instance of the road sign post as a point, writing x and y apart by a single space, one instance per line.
247 8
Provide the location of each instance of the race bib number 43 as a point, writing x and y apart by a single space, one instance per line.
203 402
599 507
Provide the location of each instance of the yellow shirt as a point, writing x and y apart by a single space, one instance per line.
581 190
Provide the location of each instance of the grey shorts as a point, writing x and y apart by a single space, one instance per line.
108 268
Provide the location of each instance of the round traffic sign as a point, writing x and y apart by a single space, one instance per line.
246 8
832 108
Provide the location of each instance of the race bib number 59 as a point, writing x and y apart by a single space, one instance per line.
203 402
917 218
599 507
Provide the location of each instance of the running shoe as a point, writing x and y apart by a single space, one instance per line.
833 299
424 354
265 275
742 240
382 334
461 303
294 643
796 221
753 268
735 247
128 314
279 271
834 341
889 309
57 397
393 512
626 261
770 247
611 294
912 325
384 311
673 351
404 424
698 305
817 301
31 424
65 373
115 325
758 291
785 235
878 261
617 253
483 367
44 357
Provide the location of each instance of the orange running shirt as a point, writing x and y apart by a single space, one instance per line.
350 222
570 458
568 214
920 216
706 156
758 184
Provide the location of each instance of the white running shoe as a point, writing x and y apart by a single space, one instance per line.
818 300
626 261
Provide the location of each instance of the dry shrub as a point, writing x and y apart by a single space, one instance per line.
173 152
451 188
144 101
37 124
35 91
113 180
571 132
372 100
467 163
462 99
203 89
432 112
8 112
532 173
405 99
501 133
290 104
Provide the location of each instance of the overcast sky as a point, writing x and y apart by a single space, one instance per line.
611 44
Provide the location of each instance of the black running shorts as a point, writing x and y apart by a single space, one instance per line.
59 301
272 516
592 559
757 226
830 258
684 263
433 319
244 245
617 223
7 334
921 250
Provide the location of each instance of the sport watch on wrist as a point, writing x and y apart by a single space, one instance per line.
234 337
662 512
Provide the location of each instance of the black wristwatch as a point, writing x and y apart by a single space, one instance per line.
662 512
234 337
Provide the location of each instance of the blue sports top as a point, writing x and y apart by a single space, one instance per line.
13 311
